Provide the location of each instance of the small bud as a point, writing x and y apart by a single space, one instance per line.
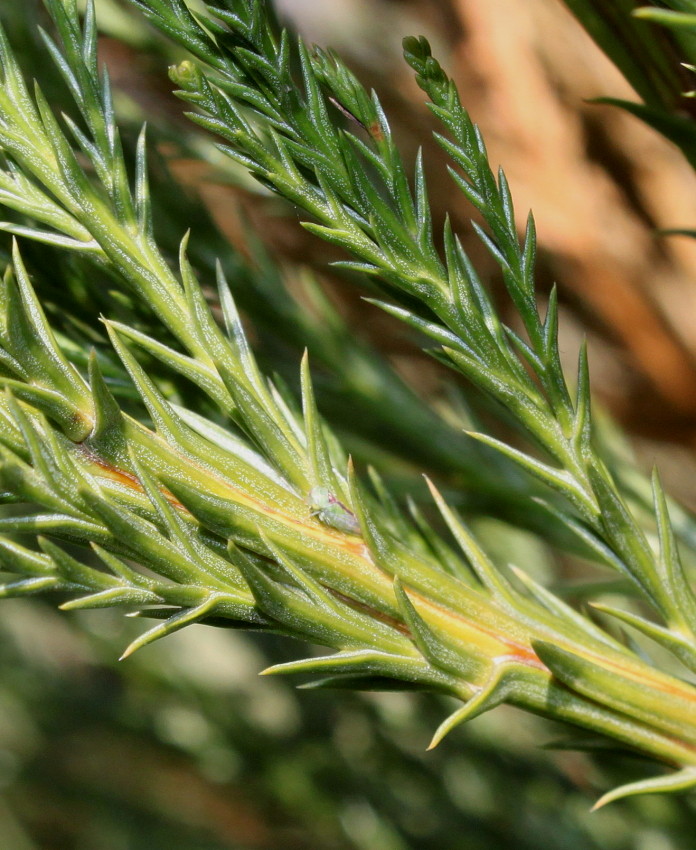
416 48
186 75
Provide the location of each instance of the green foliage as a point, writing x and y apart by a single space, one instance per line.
243 509
643 57
649 59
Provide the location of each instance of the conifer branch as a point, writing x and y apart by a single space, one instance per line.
359 193
266 525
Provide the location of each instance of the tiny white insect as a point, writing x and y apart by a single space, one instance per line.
329 510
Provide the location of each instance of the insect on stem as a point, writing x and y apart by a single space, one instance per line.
331 511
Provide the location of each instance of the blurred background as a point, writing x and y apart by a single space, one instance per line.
183 747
